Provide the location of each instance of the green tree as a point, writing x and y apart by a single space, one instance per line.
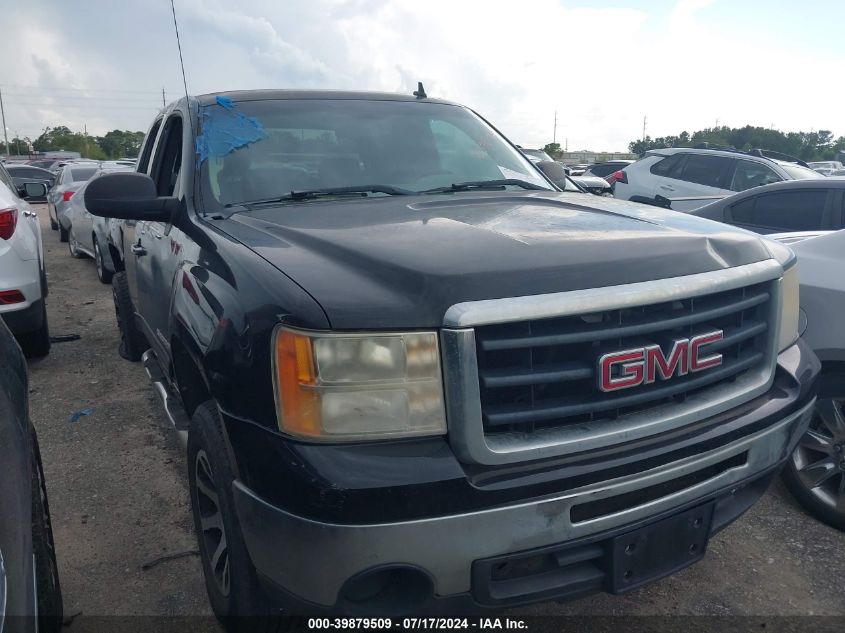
119 144
553 150
807 146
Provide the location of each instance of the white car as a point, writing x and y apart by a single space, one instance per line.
826 167
90 235
690 177
23 283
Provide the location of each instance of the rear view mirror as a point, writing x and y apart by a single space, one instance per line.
33 191
128 196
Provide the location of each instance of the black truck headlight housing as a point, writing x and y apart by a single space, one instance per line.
335 387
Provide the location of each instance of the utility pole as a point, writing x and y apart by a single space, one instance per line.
163 104
644 120
566 148
554 134
3 116
717 122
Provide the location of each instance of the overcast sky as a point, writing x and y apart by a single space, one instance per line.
602 64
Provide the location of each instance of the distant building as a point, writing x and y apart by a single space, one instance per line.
588 157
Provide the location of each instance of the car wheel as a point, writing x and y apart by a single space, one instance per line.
73 245
36 344
234 592
815 474
63 235
133 343
103 273
49 592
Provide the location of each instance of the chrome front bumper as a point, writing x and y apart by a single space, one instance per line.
313 560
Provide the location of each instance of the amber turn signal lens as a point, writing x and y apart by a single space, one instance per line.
295 379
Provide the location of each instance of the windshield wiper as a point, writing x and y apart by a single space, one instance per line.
492 185
356 190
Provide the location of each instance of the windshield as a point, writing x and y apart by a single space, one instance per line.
800 173
314 145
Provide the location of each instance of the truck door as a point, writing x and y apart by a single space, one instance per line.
156 250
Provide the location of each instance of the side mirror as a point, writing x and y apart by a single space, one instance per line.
128 196
553 171
33 191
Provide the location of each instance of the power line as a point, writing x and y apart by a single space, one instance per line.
72 99
68 89
59 106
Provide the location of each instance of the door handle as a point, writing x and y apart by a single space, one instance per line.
667 188
139 250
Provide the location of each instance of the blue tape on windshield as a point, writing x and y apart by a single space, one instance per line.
224 130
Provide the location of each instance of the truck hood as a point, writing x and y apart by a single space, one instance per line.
401 262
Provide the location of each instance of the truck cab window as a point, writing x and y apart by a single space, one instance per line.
168 157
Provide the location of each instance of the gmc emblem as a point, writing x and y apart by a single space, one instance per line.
644 365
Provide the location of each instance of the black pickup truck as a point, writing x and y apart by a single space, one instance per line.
416 377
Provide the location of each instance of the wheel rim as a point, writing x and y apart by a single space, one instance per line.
212 531
819 458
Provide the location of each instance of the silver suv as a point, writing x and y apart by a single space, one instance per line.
689 177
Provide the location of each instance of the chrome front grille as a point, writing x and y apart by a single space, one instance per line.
544 372
521 372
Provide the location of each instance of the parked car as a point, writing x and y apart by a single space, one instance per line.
22 174
826 167
594 185
68 181
578 170
610 171
838 173
30 593
816 473
694 176
557 174
794 205
46 163
23 283
92 236
415 377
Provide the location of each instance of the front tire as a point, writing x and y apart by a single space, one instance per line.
231 581
133 343
103 273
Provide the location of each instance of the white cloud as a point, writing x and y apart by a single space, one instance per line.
602 69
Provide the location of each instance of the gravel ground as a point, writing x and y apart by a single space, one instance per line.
118 495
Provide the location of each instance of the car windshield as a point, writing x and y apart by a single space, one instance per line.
82 173
800 173
318 145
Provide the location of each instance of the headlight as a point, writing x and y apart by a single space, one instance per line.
344 387
789 310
